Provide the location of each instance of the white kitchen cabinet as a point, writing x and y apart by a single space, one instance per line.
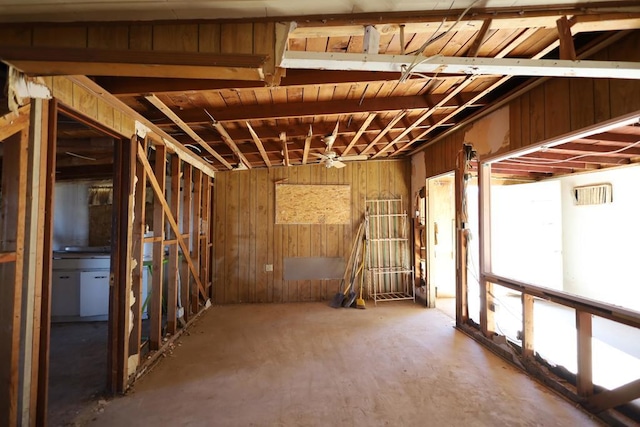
65 299
94 293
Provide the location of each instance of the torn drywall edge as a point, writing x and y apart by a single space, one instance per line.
22 88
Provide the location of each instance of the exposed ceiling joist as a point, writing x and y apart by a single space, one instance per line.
470 66
182 125
106 62
383 132
231 143
358 134
258 142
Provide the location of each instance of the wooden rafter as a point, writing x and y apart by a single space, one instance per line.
256 140
142 158
231 143
479 39
156 102
598 44
109 62
358 134
383 132
307 146
427 114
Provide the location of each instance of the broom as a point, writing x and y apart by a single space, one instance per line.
360 301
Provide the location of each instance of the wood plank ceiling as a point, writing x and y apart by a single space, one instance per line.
233 123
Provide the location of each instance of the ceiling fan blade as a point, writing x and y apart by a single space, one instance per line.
338 164
353 158
319 155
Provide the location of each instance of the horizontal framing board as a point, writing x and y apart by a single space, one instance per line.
313 268
313 204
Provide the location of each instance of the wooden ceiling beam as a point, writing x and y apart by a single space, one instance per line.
127 86
156 102
612 138
464 66
358 134
383 132
107 62
258 142
243 113
479 39
231 143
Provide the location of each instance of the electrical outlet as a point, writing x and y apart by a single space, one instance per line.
268 267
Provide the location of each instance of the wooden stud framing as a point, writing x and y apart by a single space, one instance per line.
14 188
33 256
121 264
487 323
172 222
47 259
195 232
204 232
527 327
185 276
172 267
585 364
139 228
462 308
155 307
307 146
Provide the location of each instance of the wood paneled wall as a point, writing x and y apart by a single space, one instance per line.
556 107
562 105
247 238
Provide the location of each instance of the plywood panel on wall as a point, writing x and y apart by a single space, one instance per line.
250 246
313 204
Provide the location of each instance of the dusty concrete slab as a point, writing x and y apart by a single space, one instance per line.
308 364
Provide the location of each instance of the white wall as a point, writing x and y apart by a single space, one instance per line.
601 242
526 227
71 215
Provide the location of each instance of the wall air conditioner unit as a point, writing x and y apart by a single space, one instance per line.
597 194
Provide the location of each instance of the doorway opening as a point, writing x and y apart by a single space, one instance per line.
83 209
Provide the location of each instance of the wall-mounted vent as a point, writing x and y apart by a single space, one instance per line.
598 194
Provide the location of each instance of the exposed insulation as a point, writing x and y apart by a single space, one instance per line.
313 204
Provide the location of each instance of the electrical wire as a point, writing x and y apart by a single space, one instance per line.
408 71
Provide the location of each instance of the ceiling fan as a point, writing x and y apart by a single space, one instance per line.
330 158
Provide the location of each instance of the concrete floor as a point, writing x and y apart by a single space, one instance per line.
78 369
308 364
